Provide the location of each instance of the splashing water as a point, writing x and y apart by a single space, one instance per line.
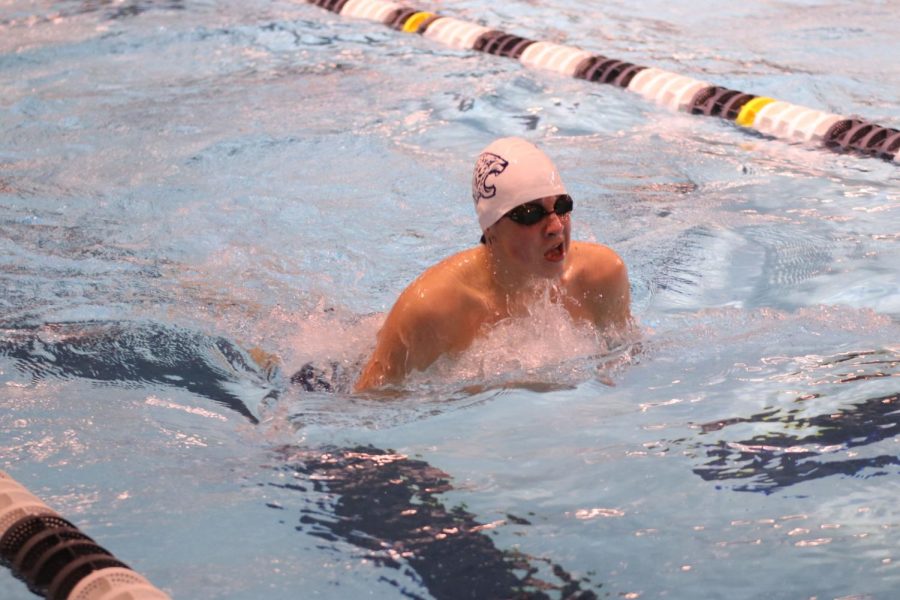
546 344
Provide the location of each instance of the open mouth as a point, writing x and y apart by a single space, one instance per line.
556 253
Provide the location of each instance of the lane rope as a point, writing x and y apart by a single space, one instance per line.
57 560
768 116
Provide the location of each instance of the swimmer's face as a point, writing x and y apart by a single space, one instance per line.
534 247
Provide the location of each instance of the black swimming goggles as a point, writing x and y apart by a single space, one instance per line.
534 212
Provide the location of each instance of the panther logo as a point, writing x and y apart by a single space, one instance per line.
488 164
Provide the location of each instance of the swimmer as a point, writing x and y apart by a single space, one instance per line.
525 216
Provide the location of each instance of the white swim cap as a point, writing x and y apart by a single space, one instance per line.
509 172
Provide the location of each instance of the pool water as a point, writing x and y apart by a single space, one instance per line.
181 182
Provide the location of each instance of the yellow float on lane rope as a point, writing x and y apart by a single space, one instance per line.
416 19
748 113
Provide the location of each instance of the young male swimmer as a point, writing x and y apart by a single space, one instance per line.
526 218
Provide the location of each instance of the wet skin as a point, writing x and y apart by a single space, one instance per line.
458 299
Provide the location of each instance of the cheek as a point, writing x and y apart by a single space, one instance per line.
524 248
520 244
520 251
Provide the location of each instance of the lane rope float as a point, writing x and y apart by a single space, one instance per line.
768 116
57 560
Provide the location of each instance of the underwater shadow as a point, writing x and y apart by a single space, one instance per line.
132 353
388 505
774 461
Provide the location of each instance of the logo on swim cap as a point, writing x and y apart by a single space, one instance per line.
488 164
509 172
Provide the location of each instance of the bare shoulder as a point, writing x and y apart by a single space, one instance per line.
599 282
446 291
596 263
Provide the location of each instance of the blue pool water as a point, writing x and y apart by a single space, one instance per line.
182 181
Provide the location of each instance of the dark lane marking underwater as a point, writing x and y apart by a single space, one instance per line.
127 353
806 448
777 460
387 504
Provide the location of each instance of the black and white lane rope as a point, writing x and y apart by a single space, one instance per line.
771 117
57 560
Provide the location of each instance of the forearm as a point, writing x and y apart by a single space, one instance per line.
381 369
396 355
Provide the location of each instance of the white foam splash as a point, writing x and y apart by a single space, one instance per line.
546 344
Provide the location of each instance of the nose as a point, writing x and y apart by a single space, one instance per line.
553 225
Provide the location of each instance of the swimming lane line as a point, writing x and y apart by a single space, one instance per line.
771 117
55 559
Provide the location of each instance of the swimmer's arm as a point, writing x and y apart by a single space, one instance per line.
413 336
